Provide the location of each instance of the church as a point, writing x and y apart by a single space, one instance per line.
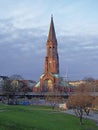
50 80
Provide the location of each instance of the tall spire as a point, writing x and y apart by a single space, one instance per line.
52 59
52 35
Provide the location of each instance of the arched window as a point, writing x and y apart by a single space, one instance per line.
48 85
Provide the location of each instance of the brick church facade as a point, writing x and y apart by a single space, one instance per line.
50 79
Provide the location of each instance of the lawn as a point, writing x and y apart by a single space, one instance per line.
39 118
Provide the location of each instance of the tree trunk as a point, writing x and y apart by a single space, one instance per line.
87 111
81 120
79 114
7 99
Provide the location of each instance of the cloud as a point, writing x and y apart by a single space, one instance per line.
72 17
79 54
23 51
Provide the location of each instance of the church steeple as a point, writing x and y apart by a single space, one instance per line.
52 59
50 79
52 35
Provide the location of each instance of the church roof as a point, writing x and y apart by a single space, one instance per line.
37 85
41 75
52 35
64 83
56 75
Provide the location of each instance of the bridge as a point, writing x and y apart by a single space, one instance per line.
43 94
35 94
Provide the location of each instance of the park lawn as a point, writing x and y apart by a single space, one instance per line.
40 118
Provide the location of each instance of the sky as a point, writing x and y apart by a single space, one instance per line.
24 27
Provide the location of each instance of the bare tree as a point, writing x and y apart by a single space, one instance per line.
16 77
53 98
10 87
7 89
90 84
80 103
95 104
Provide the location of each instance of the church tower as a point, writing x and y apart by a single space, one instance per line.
51 60
50 79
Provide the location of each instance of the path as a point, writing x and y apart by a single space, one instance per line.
92 115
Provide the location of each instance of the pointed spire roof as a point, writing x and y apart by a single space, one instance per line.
52 35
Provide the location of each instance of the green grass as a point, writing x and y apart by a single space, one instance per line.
40 118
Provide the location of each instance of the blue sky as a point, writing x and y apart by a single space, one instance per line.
24 26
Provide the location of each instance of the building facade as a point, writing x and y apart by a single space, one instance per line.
50 79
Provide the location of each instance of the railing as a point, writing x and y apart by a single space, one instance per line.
35 93
43 93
